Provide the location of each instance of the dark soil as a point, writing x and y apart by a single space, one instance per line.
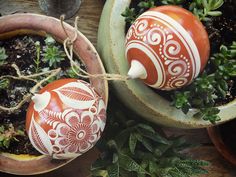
21 50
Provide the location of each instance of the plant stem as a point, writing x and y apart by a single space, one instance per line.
32 90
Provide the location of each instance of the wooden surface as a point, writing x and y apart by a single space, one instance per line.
89 13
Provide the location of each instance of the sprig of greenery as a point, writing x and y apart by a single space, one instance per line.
4 84
210 86
131 14
204 9
8 134
52 55
37 60
135 149
71 73
3 55
173 2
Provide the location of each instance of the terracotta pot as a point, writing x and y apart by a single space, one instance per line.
220 142
136 95
19 24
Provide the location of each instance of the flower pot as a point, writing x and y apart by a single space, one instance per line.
222 137
19 24
136 95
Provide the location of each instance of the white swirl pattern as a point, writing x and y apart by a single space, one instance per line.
155 36
177 68
168 40
171 49
141 28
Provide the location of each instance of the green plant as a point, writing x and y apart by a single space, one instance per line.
131 14
37 60
204 9
8 134
3 55
71 73
173 2
212 85
52 55
4 83
132 148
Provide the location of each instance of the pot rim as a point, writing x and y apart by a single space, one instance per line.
23 23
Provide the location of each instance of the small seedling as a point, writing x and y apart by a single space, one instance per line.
8 134
204 9
52 55
4 84
49 41
37 60
71 73
3 55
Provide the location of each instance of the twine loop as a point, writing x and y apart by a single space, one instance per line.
68 45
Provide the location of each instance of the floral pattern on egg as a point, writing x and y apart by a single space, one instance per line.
66 119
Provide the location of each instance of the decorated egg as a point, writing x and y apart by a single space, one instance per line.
65 119
167 47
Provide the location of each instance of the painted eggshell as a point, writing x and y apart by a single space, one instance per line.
167 47
65 119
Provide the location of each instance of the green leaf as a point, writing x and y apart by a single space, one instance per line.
3 55
155 137
49 40
177 173
205 4
195 163
99 164
145 142
115 158
141 175
20 133
132 142
2 129
214 13
113 170
1 137
100 173
129 164
217 4
122 137
130 15
6 142
146 127
53 55
198 171
152 167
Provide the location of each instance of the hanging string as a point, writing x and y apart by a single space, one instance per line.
68 47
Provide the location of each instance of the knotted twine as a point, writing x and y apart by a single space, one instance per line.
68 47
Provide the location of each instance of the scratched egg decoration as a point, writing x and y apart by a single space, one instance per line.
65 119
167 47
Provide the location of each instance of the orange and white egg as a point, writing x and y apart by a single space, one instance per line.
66 118
167 47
